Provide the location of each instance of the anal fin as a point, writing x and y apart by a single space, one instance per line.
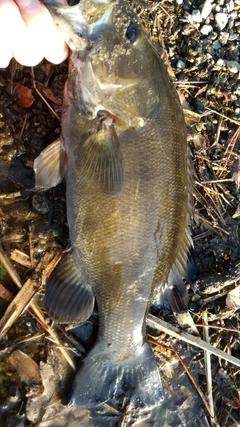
68 298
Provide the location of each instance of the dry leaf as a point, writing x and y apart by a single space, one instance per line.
26 368
23 96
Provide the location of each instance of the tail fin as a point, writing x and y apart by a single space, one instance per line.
131 384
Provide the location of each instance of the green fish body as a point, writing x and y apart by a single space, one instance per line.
125 158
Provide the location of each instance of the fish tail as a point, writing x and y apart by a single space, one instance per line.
133 382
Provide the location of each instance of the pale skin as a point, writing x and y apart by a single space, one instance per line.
28 34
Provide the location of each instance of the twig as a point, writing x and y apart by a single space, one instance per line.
214 181
229 151
9 267
23 127
207 357
213 419
207 192
162 326
41 96
17 306
4 294
218 130
21 258
192 379
210 111
12 314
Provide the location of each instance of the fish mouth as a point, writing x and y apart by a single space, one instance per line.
75 20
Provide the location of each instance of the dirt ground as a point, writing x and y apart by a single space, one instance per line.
33 224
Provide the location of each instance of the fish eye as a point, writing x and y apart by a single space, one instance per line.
132 33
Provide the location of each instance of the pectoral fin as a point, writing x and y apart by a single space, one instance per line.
68 297
102 160
50 165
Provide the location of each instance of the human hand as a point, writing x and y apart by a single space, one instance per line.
28 34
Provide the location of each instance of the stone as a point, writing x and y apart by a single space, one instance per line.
221 20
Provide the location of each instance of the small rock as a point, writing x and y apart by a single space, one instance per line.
188 17
233 36
233 298
39 204
233 97
216 45
221 20
207 9
233 66
237 90
231 20
213 35
206 29
84 331
181 64
223 38
205 42
196 16
230 6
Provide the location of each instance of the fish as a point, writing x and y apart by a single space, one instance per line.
126 162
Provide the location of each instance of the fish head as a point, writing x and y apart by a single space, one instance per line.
113 65
121 66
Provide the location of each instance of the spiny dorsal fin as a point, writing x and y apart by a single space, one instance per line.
68 297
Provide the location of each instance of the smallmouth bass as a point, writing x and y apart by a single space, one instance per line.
125 158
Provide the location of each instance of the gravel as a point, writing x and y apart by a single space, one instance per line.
203 46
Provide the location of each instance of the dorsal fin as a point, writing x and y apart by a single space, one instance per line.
174 291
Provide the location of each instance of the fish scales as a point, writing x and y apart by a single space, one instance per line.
131 237
128 188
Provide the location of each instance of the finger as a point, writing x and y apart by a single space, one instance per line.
7 9
15 35
5 57
41 27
